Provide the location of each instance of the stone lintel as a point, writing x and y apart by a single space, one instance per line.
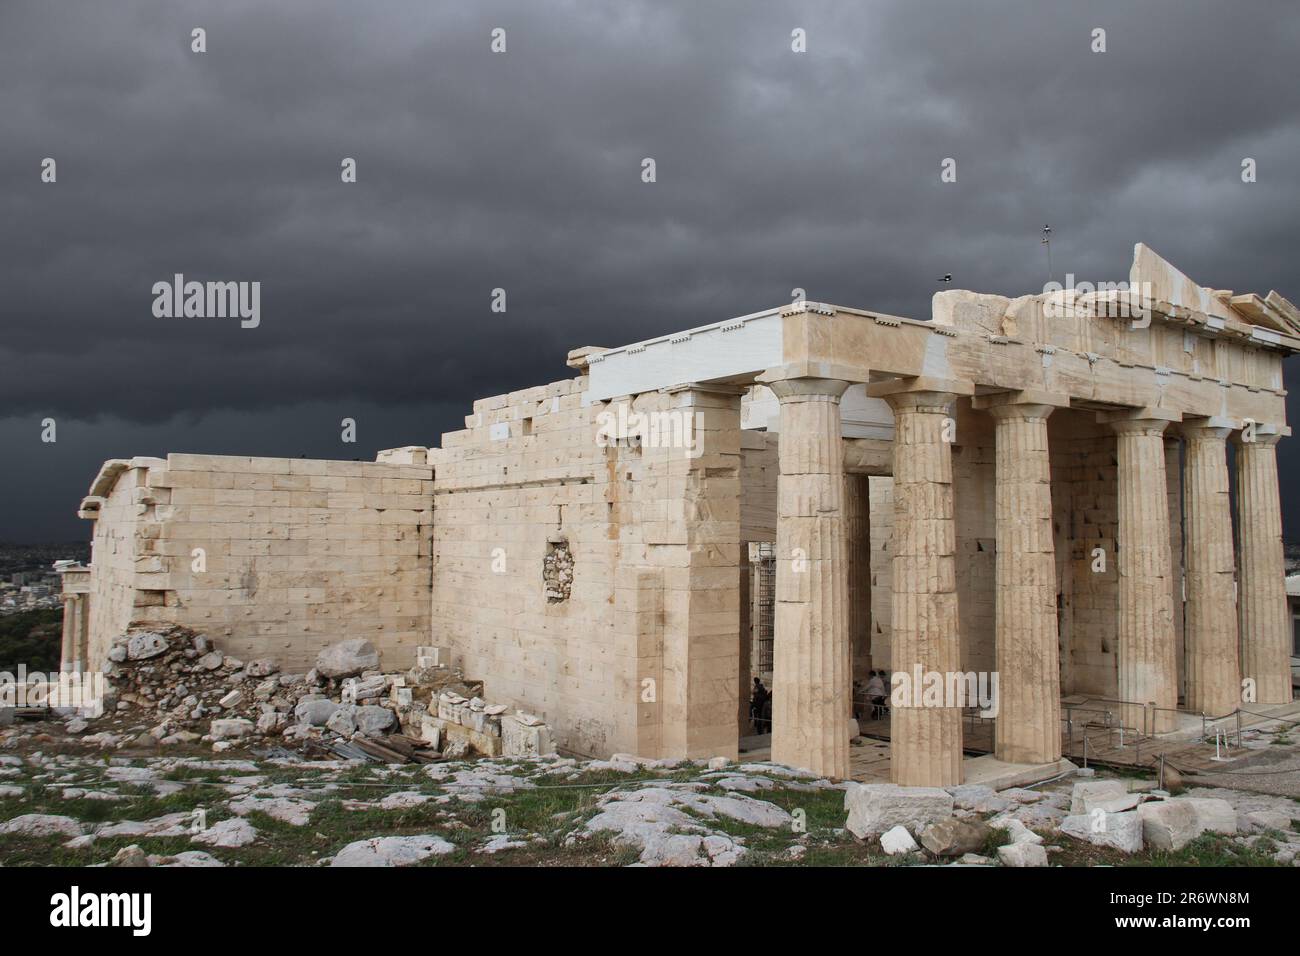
920 383
1027 396
1130 418
1215 426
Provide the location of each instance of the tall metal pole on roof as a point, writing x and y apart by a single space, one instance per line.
1047 241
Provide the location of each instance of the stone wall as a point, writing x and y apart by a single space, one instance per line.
643 655
116 540
271 557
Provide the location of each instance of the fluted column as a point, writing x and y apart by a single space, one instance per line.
1263 616
924 741
1028 728
68 651
811 667
1210 627
1145 646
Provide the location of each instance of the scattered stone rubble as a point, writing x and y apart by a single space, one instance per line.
198 693
1123 815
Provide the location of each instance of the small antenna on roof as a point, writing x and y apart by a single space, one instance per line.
1047 242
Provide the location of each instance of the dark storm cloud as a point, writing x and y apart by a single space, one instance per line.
521 171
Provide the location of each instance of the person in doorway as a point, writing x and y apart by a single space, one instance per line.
876 693
757 707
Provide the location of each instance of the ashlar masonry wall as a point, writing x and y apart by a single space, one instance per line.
272 557
642 654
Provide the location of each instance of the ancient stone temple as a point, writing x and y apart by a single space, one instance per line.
1039 489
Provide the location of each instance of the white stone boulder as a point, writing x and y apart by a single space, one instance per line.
1016 830
364 688
188 858
230 728
227 833
897 841
372 719
343 720
977 797
1089 793
1122 831
41 825
874 808
1022 854
144 645
1214 814
689 849
285 809
347 658
262 667
315 711
520 738
1172 824
392 851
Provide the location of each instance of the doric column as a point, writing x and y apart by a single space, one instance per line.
857 535
1174 489
924 741
1263 615
68 651
1210 627
1148 672
1028 727
811 668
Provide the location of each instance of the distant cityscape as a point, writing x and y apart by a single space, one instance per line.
28 579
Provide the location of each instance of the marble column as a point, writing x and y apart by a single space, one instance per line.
924 740
1145 640
811 666
1262 606
1028 727
1174 486
1210 626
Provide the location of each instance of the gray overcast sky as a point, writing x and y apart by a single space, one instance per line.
522 170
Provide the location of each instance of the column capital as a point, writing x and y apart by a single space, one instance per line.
1207 429
1139 421
808 389
921 384
1025 403
1021 411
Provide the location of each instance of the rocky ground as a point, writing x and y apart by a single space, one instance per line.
201 759
66 802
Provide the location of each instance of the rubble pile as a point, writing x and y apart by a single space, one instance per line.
198 693
461 726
